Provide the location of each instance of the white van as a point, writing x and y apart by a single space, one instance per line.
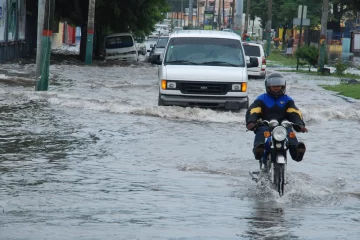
120 46
205 69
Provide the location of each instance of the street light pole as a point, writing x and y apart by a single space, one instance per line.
268 28
322 49
90 32
40 27
247 15
43 81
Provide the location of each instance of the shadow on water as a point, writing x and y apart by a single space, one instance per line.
268 222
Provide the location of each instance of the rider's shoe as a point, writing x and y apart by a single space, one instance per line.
300 151
259 150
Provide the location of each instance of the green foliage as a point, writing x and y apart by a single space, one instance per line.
340 67
348 90
308 54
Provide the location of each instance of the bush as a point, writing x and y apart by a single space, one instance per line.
340 67
309 55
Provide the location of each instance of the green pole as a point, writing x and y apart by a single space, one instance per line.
322 53
89 47
90 32
43 83
268 42
268 28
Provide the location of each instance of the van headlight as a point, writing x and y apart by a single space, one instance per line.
279 133
236 87
171 85
239 87
168 85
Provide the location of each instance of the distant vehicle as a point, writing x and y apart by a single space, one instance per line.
151 40
204 68
161 29
158 48
255 50
227 30
120 46
140 45
177 29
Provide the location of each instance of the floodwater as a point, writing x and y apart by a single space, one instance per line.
96 158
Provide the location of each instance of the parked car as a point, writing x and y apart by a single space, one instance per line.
158 48
151 40
177 29
120 46
204 68
256 50
140 45
161 29
227 30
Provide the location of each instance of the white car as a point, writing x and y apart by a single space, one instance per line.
177 29
140 45
120 46
161 29
204 68
255 50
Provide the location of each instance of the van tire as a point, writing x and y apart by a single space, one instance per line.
160 102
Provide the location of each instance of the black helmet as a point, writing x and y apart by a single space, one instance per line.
275 79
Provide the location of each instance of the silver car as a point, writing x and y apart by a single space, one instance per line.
158 48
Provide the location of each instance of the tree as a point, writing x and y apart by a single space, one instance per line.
136 16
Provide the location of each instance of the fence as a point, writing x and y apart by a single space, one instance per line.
18 30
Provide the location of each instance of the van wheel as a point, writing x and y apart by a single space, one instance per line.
247 103
160 102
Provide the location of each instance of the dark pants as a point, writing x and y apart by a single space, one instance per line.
259 138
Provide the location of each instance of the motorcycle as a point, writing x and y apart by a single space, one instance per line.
273 164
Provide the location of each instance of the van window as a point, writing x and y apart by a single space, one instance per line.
252 50
162 42
119 42
205 51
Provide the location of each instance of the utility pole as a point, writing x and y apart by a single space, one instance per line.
233 14
223 10
90 32
182 13
238 16
322 51
40 27
190 13
219 15
197 14
43 82
247 15
300 35
268 28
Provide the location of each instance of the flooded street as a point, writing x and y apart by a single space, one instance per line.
96 158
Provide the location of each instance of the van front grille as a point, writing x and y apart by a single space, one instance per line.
204 88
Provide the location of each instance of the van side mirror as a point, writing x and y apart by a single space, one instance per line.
253 62
158 61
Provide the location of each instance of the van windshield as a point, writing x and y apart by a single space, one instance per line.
204 51
119 42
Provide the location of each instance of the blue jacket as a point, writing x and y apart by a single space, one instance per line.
267 107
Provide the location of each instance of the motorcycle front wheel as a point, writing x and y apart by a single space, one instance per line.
279 178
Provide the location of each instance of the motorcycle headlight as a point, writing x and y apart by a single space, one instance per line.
279 133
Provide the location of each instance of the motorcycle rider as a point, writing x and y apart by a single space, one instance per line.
275 104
